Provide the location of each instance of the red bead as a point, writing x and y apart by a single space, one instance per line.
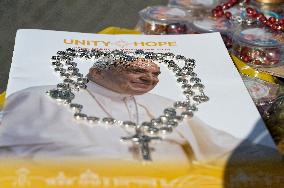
281 21
228 15
219 8
247 59
245 51
249 10
214 12
234 1
274 27
220 13
230 4
263 20
176 28
257 62
268 24
259 16
225 6
272 19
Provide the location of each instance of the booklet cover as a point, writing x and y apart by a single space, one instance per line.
92 110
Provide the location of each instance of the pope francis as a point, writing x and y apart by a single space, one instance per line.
37 127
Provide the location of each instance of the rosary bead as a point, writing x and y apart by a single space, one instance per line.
80 116
170 112
93 119
176 28
179 104
145 126
153 130
76 107
187 114
129 124
109 120
172 123
165 130
62 86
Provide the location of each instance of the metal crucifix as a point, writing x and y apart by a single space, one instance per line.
143 141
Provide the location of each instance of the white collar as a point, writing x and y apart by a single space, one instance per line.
96 88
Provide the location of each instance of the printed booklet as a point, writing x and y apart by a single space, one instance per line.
94 110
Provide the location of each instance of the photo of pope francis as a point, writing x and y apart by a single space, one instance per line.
35 126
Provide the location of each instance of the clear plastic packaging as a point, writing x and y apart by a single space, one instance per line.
258 46
262 92
269 7
210 24
197 7
161 20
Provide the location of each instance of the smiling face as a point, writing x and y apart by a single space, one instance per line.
135 78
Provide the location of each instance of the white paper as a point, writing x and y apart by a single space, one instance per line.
230 107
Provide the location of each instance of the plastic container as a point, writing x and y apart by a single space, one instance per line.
210 24
262 92
258 46
269 7
197 7
161 20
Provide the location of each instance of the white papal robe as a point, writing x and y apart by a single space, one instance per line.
36 126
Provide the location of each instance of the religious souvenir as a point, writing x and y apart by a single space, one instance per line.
160 20
211 24
263 93
259 46
198 8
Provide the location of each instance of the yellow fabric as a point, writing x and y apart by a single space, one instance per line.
249 71
2 98
118 30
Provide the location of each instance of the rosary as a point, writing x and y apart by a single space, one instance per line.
252 15
73 81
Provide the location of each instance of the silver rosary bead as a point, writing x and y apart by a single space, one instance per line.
179 104
165 130
164 119
59 69
70 63
57 64
108 120
187 114
195 80
188 92
128 124
198 86
172 123
177 119
145 126
156 122
76 107
93 119
182 80
80 116
153 130
186 86
64 75
192 108
62 86
170 112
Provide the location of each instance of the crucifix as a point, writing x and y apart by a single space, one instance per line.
143 141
